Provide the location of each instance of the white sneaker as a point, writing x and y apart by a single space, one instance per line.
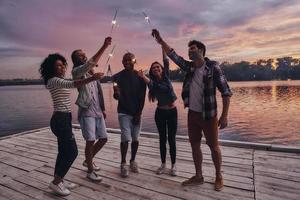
94 177
161 169
95 167
173 171
59 189
69 185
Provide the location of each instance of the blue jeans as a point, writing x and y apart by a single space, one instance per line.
61 126
129 131
93 128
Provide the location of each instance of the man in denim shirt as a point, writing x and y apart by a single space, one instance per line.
202 78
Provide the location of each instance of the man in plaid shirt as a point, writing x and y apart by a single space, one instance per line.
202 78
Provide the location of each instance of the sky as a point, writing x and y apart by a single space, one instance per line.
232 30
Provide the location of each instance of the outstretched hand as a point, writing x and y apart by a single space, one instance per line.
140 73
156 35
98 76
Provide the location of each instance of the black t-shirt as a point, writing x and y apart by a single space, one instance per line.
132 92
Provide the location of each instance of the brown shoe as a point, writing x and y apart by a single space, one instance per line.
219 184
193 181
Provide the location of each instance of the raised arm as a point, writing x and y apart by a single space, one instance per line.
181 62
99 53
166 48
166 63
83 69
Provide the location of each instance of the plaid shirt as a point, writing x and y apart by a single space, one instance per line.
213 78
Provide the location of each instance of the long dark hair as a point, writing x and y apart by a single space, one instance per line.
151 93
47 69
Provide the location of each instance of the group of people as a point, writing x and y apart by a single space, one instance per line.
202 78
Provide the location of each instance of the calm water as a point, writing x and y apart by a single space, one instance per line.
266 112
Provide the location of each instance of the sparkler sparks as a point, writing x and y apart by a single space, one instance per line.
113 22
147 18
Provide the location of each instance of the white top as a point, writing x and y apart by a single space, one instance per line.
196 90
60 93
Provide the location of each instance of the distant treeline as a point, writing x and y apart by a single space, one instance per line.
21 82
270 69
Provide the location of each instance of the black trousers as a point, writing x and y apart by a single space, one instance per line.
166 122
61 126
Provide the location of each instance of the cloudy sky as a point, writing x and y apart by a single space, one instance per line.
233 30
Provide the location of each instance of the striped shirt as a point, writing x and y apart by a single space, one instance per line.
60 93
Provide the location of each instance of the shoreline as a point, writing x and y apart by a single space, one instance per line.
228 143
39 82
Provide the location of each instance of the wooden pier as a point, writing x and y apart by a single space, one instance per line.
27 161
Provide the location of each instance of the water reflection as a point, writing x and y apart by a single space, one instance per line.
266 112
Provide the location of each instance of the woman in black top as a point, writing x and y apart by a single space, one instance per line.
161 90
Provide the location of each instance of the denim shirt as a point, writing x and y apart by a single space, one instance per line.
213 78
84 99
163 90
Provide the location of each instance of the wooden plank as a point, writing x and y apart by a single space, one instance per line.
55 155
8 172
93 194
178 179
109 185
155 155
276 176
274 192
28 190
276 173
241 182
20 162
27 161
42 186
7 193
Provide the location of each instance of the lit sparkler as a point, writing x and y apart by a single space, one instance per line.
147 19
113 22
110 55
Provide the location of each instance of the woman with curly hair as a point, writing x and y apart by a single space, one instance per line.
161 89
53 71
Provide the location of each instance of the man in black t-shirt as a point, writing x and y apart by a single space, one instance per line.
129 90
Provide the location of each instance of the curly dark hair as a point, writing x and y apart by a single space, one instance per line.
47 69
151 93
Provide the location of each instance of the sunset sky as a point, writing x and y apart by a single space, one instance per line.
233 30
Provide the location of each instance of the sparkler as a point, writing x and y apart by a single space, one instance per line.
110 55
113 22
147 19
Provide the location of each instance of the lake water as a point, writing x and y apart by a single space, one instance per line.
265 112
